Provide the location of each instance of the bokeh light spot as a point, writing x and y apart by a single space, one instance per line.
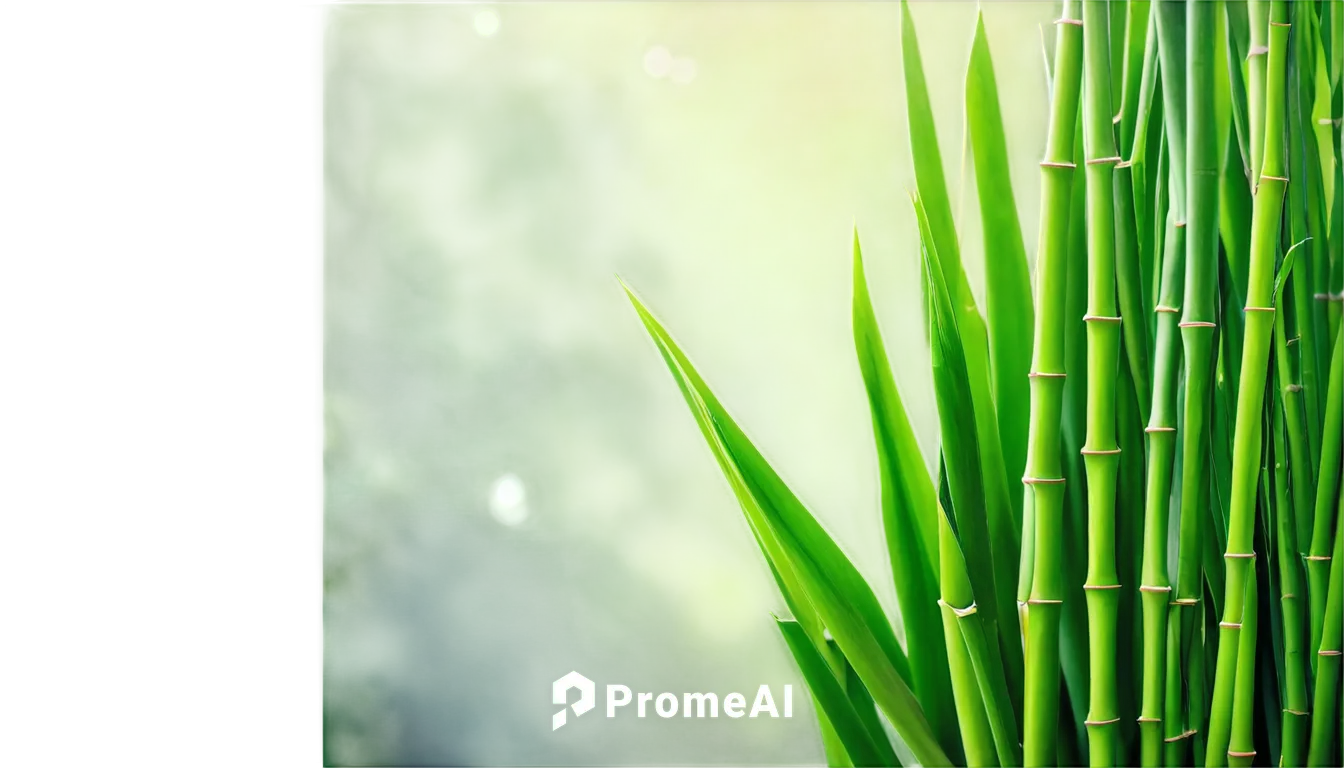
658 61
486 22
508 500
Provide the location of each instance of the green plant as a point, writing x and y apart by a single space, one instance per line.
1220 227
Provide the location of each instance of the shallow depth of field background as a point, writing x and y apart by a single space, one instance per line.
514 487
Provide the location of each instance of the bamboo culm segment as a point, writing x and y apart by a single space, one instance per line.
1259 326
1101 454
1044 478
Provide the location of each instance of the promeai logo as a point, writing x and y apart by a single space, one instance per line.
666 704
560 695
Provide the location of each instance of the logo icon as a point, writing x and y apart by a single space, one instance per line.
560 695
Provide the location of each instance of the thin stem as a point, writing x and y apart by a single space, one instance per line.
1047 383
1101 454
1259 326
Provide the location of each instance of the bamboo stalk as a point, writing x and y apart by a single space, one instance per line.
1327 485
1044 477
1198 327
1101 454
1259 325
1295 714
1325 707
956 601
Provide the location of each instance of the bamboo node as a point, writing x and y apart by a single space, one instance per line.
1045 375
1258 50
1234 753
1168 310
1318 558
1103 160
1186 735
1257 309
1100 319
1100 452
1294 340
1283 24
1074 22
1179 225
1028 480
1293 388
1240 555
1183 602
1057 164
1230 624
1329 653
1116 120
1100 586
1044 601
961 612
1091 723
1151 588
1264 176
1149 720
1297 712
1288 596
1196 324
1124 164
1151 430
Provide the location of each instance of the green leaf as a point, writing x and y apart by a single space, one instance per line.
863 702
809 566
829 694
1003 509
1007 284
956 417
1286 268
984 562
908 517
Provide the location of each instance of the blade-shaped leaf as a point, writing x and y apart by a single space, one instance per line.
907 516
830 696
993 595
1007 284
1003 509
807 560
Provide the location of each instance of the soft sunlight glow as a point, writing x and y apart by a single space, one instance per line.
683 70
658 61
485 23
508 501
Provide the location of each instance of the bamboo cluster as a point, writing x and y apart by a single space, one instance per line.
1168 384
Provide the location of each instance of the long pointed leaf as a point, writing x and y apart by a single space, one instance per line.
805 555
830 695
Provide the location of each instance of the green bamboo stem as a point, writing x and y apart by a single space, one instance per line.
1171 49
1255 98
1259 326
1325 706
1295 704
1101 454
1132 210
1303 474
1327 486
1198 320
1044 476
1311 357
1155 589
956 601
1241 744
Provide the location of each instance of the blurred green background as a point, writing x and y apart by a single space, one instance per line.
514 488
